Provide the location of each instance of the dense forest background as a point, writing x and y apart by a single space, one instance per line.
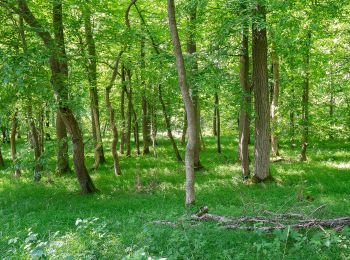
89 91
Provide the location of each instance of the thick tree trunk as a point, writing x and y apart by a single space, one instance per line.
218 123
274 103
168 124
261 91
244 117
13 145
191 50
191 114
305 99
92 76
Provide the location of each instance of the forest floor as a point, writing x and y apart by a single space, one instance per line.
51 219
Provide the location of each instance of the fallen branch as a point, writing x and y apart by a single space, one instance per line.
337 223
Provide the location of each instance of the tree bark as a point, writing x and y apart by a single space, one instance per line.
191 50
13 145
59 78
191 115
244 116
274 103
92 76
305 99
184 129
215 131
261 91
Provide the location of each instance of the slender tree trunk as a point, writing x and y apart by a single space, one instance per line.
218 123
305 100
274 103
262 106
244 116
191 113
145 113
191 50
111 113
122 111
2 162
184 130
128 131
154 130
62 165
168 125
92 76
331 110
215 131
13 144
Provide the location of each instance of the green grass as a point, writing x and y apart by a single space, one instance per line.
39 219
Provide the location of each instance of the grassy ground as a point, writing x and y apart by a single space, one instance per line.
52 220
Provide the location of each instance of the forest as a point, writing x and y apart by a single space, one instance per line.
177 129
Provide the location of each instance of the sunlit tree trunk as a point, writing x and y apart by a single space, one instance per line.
191 114
192 50
92 77
261 97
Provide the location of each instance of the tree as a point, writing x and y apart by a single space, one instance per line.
92 76
261 96
191 116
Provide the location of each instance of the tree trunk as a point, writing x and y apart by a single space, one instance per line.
145 114
128 131
122 111
261 91
184 130
215 131
92 76
191 50
62 165
244 116
191 114
218 123
274 103
154 131
2 162
168 124
305 99
331 109
36 144
13 145
111 113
